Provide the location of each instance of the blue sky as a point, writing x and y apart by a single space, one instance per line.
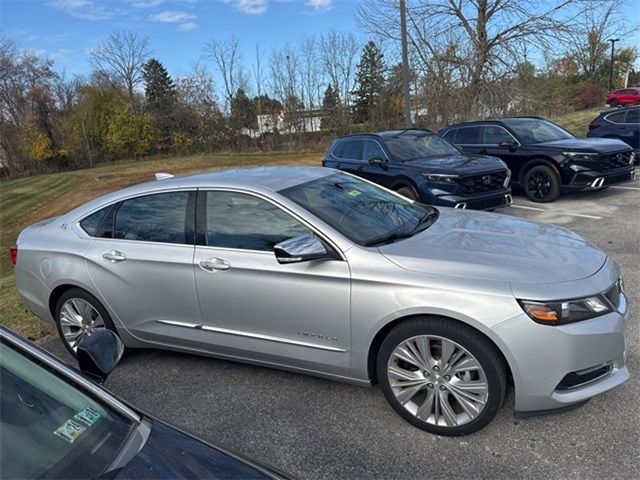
66 30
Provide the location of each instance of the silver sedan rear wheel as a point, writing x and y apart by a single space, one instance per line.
78 318
438 381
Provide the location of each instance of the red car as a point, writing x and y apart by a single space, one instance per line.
623 96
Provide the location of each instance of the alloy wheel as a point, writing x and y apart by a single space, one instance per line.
78 319
539 184
438 381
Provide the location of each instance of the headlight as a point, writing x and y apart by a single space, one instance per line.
632 158
580 155
560 312
441 178
507 179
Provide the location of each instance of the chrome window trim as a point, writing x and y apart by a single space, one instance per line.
257 336
74 377
277 204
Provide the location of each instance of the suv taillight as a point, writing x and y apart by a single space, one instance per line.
13 253
592 125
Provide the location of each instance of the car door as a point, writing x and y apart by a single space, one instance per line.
372 153
467 138
631 128
295 314
141 264
350 159
497 141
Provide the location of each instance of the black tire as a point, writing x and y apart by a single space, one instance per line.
541 184
408 192
613 103
481 348
87 297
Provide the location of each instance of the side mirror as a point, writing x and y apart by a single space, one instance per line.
300 249
377 161
509 145
99 353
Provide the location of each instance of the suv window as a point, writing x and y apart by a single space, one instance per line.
633 116
617 117
494 135
372 149
238 220
468 136
351 149
91 223
159 217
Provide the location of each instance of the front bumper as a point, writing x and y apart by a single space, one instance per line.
541 357
487 201
595 180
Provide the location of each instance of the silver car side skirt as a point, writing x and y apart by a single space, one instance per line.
250 335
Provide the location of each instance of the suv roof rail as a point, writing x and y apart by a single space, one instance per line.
164 175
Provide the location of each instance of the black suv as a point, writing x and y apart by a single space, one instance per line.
423 166
544 158
621 123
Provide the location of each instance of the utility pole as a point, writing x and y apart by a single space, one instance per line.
405 64
613 42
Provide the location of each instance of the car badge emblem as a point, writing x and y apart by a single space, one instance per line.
486 180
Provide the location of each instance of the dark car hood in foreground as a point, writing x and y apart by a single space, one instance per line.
496 247
458 164
169 453
599 145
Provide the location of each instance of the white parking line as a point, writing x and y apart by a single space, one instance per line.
625 188
528 208
592 217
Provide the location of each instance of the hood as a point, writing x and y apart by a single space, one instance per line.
598 145
170 453
458 164
491 246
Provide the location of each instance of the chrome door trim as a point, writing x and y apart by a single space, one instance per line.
258 336
75 377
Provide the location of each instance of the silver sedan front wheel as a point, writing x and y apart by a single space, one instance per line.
441 375
437 380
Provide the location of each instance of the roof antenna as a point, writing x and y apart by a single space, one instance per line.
163 175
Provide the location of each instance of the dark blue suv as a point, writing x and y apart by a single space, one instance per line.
622 123
423 166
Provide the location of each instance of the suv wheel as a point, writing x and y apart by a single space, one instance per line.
541 184
408 192
442 376
79 314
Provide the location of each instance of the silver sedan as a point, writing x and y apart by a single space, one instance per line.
320 272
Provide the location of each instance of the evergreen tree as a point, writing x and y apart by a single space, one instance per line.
243 111
370 80
330 107
160 94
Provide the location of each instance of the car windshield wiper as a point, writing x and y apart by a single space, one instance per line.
425 222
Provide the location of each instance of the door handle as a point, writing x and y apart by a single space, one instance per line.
114 256
214 264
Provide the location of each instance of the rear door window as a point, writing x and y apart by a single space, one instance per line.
633 116
351 150
495 135
154 218
468 136
372 149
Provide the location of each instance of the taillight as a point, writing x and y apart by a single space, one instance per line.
13 253
593 125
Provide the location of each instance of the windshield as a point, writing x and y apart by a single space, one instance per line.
366 214
407 147
534 130
49 427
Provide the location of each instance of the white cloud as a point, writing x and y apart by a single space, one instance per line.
147 3
185 27
86 9
172 17
251 7
319 5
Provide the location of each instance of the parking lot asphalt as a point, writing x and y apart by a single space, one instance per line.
314 428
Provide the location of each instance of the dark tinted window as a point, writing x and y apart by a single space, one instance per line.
236 220
535 130
617 117
372 149
351 149
633 116
494 135
153 218
468 136
450 135
91 223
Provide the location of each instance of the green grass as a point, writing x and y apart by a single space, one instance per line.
27 200
578 122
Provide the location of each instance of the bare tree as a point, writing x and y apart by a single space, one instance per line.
482 39
310 73
121 59
258 77
338 55
226 56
